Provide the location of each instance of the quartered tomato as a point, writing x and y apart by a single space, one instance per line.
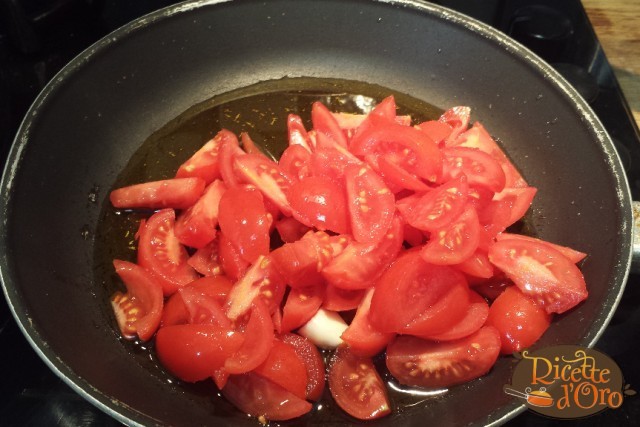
245 221
260 397
297 133
423 363
455 242
314 364
267 176
361 336
176 193
438 207
479 167
206 260
182 307
472 321
433 298
258 341
458 118
519 320
294 377
338 299
300 306
295 161
138 311
160 252
194 352
325 124
321 203
357 387
360 264
573 255
541 272
371 204
204 163
196 227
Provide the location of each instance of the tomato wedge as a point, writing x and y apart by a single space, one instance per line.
285 368
258 342
176 193
260 397
371 204
160 252
357 387
573 255
433 298
139 310
472 321
205 162
518 319
360 264
418 362
326 124
301 305
458 118
245 221
438 207
298 134
361 336
479 167
321 203
541 272
456 242
196 227
267 176
194 352
313 362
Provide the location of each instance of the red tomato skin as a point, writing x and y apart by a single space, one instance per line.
290 229
477 265
478 137
518 319
479 167
454 243
206 260
267 176
141 306
230 259
245 222
297 133
573 255
314 364
285 368
423 363
176 193
193 352
458 118
371 204
196 227
321 203
541 272
362 337
295 161
436 208
360 264
433 298
300 263
472 321
436 130
300 306
175 310
338 299
249 146
259 397
357 387
324 123
160 252
205 162
258 342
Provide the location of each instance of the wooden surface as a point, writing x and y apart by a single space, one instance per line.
617 25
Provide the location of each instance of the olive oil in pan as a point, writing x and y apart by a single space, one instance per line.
260 110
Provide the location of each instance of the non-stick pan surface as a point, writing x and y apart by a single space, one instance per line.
88 122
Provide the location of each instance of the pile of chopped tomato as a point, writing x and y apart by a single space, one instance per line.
248 265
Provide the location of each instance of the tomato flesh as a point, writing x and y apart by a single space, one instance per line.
357 387
423 363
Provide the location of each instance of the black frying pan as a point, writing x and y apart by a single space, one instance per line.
89 121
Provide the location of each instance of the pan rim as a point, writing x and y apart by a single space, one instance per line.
21 140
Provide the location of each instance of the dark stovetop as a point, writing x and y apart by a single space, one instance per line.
38 37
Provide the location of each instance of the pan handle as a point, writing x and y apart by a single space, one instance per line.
635 260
